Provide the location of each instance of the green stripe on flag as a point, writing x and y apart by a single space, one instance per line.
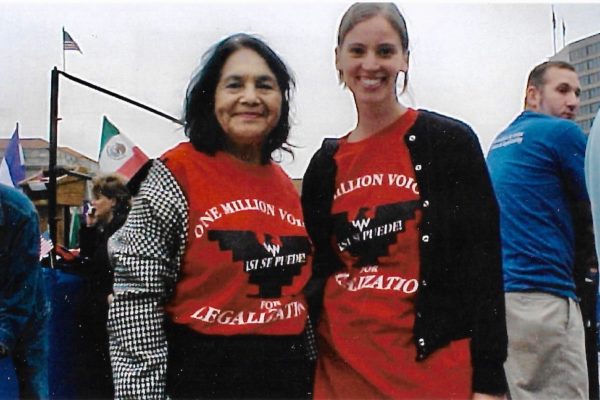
74 228
108 131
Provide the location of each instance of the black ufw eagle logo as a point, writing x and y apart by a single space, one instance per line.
370 238
285 264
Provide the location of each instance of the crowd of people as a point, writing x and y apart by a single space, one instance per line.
410 267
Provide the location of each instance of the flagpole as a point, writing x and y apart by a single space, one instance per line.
553 29
52 159
21 156
63 47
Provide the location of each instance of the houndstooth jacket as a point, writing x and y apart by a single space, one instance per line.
146 253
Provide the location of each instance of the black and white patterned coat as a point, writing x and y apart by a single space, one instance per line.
146 253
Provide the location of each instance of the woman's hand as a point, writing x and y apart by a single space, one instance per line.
90 219
484 396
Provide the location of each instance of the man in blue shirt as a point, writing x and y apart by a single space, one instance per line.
22 308
536 166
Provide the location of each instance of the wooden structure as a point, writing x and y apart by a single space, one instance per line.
72 189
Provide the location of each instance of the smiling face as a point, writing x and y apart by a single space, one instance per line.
247 102
558 96
369 60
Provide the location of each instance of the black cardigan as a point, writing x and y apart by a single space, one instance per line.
461 290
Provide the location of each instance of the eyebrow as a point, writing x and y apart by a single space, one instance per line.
378 45
261 78
576 89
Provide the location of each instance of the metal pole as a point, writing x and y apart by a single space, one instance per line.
52 159
553 29
63 47
121 97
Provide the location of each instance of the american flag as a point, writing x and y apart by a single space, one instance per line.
69 43
45 244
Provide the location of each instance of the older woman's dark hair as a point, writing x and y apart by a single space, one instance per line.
113 186
201 124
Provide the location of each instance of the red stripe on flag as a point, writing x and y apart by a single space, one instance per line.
133 164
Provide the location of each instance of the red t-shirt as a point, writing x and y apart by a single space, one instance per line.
366 336
248 255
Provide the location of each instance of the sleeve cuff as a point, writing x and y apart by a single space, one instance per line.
489 379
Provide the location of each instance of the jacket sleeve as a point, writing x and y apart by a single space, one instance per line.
20 276
318 186
146 252
481 255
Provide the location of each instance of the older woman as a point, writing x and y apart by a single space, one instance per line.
211 263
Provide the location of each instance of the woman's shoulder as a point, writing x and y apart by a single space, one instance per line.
280 173
180 151
434 119
443 129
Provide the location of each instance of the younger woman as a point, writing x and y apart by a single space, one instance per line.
405 228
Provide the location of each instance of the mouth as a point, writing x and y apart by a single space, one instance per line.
248 115
371 83
568 115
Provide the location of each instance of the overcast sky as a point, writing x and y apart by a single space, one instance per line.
468 60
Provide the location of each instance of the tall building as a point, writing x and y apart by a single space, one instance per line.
584 54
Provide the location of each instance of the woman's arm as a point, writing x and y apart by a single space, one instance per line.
478 219
146 252
318 186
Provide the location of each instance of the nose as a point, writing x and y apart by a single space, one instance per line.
573 100
370 62
250 95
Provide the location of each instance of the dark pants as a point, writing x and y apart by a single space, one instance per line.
93 360
30 358
234 367
589 299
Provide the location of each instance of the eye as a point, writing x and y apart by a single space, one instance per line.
386 51
233 85
356 50
266 83
231 82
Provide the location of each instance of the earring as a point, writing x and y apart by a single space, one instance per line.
400 78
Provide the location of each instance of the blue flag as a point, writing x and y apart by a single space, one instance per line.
12 168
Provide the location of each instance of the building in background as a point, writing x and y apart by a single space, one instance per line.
584 54
36 157
74 171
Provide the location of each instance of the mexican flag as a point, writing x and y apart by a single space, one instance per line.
118 153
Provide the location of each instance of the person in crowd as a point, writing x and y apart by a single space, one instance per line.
592 175
536 166
23 335
212 260
109 208
592 179
404 223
